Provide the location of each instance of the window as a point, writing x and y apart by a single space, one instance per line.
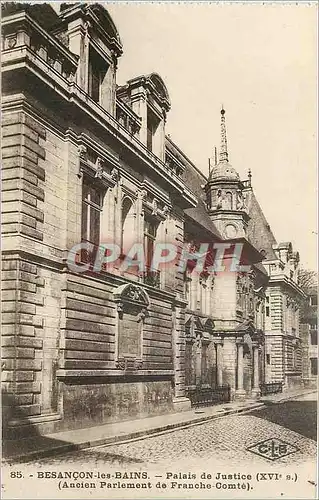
268 359
313 337
314 300
295 356
152 124
267 307
97 70
127 233
91 211
150 229
314 366
188 288
228 201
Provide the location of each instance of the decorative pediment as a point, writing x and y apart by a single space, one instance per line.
103 167
132 293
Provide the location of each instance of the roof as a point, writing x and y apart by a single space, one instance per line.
195 181
260 267
44 14
224 171
155 85
258 229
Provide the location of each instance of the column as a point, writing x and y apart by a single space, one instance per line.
219 364
180 401
198 363
240 392
255 390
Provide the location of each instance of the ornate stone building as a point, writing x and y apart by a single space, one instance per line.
309 337
88 161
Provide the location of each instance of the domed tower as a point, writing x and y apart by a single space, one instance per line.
224 191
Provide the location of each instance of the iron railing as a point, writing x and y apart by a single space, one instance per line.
270 388
200 396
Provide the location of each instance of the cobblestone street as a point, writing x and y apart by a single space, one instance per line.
224 440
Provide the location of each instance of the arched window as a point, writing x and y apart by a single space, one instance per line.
127 224
228 201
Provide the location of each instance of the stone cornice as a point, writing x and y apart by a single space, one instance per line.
23 58
283 280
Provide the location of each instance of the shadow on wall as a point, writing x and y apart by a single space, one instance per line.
20 441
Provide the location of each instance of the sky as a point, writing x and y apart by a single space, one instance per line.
260 62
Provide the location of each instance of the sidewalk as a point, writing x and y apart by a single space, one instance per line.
286 396
38 446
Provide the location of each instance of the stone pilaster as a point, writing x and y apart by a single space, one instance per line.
180 401
219 363
240 392
256 390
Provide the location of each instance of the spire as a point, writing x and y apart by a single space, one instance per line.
223 153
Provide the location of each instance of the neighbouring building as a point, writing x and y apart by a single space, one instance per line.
86 161
309 336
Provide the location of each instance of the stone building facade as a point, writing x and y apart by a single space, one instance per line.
87 163
309 336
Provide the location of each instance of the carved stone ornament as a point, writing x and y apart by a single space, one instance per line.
132 293
166 210
120 309
99 168
154 207
87 26
240 200
143 314
141 194
82 151
115 174
289 301
11 41
129 364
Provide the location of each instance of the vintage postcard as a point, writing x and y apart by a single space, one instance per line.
159 250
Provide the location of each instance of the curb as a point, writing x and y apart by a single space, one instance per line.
287 398
143 434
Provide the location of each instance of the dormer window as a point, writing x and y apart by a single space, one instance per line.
152 124
97 71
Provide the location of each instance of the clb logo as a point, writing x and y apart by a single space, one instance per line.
273 448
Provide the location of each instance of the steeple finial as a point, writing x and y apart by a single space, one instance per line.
223 153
